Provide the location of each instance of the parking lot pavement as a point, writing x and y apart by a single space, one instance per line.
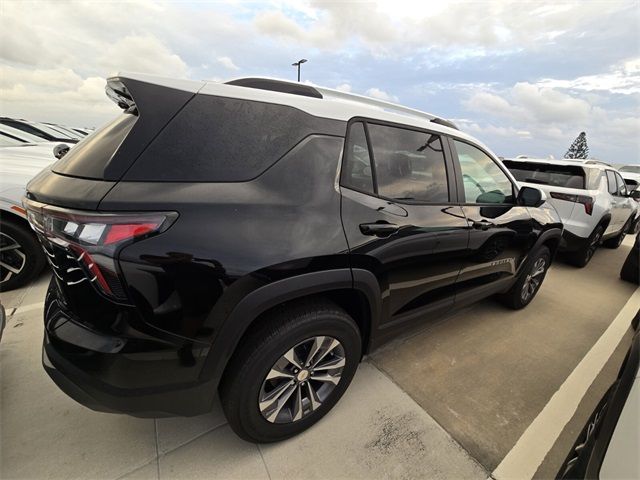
426 406
375 431
485 373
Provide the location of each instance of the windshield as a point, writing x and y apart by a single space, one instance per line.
630 168
7 141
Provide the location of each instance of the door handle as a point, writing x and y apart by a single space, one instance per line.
379 229
482 224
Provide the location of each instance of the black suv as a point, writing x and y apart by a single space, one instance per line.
257 238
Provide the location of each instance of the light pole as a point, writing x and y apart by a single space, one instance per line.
297 64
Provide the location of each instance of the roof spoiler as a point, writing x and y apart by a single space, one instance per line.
130 91
155 101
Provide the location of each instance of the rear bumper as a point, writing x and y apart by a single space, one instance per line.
102 397
127 373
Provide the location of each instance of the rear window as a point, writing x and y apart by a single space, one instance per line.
90 157
217 139
567 176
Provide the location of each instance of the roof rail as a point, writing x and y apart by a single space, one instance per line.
446 123
374 102
276 86
314 91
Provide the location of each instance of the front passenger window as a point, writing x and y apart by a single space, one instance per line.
484 181
622 187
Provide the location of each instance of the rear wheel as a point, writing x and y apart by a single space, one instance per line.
21 257
290 371
527 286
582 257
616 241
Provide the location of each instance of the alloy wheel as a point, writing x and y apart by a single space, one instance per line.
301 379
12 257
533 280
593 244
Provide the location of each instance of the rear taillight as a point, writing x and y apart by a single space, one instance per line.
94 239
585 200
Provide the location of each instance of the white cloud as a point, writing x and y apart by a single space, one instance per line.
344 87
81 105
487 102
381 95
228 63
141 53
624 79
550 118
398 26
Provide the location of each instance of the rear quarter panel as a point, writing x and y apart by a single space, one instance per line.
232 238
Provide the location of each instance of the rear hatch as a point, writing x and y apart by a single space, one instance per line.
566 186
87 173
81 241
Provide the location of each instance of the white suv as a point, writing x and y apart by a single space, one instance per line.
591 198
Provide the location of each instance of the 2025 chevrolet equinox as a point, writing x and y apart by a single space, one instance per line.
256 238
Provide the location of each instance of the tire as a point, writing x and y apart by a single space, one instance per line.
290 328
21 256
582 257
616 241
630 271
531 278
635 225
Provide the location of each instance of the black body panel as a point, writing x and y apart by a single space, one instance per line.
71 192
249 233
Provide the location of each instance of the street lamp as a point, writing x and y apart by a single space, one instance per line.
297 64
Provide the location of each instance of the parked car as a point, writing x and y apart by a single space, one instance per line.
630 171
591 198
220 240
40 130
21 257
3 319
630 271
72 133
607 447
14 137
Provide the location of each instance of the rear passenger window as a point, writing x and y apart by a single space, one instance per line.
356 170
409 165
611 183
216 139
484 181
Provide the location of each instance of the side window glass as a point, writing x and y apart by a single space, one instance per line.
356 169
409 165
484 181
611 183
622 187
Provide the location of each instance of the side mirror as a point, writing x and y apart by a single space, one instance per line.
531 197
635 194
60 150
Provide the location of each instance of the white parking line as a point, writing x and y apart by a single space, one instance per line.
527 454
28 308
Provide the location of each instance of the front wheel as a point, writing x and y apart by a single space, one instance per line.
527 286
290 371
21 257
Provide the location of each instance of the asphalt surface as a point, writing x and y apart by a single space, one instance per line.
449 400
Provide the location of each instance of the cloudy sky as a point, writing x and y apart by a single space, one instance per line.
524 77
